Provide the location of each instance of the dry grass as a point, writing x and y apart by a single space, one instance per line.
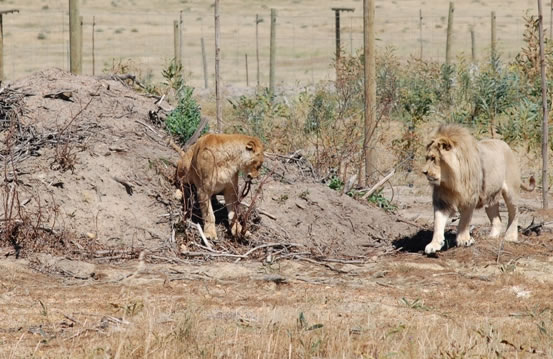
434 309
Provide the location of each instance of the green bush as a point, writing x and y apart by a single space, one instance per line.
258 113
183 121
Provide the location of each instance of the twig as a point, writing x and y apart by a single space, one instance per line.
378 184
148 127
128 187
261 211
245 255
323 264
204 239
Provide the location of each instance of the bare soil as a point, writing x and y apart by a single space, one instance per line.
111 270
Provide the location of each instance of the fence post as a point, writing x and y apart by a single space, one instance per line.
493 36
247 75
176 40
204 63
545 126
218 89
338 46
449 39
370 85
420 32
93 49
257 21
180 37
273 52
473 45
75 56
81 26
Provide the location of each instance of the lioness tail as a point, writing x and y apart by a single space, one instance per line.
532 185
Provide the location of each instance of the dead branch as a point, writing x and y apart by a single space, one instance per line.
149 128
202 235
261 211
321 263
128 186
379 184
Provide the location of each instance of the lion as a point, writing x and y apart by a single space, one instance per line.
466 174
212 165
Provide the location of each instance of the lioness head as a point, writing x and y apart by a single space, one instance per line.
252 166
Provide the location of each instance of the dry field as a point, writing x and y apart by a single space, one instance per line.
106 270
142 31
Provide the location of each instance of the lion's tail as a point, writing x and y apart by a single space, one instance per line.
532 185
176 147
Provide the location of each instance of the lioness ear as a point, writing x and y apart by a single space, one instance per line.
444 144
250 146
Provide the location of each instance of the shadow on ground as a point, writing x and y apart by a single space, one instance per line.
416 243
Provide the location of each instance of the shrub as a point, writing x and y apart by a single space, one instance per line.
183 121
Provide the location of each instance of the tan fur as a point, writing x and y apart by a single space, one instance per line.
466 174
212 165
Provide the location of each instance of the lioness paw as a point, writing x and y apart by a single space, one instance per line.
210 232
433 247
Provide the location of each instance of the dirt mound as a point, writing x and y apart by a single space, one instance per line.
92 164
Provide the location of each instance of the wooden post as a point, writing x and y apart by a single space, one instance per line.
75 59
2 40
472 45
180 37
204 63
493 53
81 26
257 21
551 23
273 52
420 32
247 75
93 50
545 126
218 85
449 39
370 85
176 41
337 29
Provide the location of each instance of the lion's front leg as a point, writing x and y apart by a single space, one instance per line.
231 201
463 230
207 214
440 220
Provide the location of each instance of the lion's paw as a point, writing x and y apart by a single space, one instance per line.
433 247
513 238
466 242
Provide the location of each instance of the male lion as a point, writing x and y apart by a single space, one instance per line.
466 174
212 165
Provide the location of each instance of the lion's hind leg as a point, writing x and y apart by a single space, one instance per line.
495 219
511 234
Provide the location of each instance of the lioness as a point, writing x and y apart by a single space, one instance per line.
466 174
212 165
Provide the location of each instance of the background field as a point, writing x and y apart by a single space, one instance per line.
142 30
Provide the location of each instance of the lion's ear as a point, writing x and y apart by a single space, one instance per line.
250 146
444 144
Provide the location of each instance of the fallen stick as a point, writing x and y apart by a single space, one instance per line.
148 127
204 239
379 184
261 211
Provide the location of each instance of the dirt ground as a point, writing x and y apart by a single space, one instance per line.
106 269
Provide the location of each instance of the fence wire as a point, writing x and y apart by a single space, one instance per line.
305 44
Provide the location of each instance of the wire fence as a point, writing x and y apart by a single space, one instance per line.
305 44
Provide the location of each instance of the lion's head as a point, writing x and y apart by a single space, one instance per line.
453 164
254 161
